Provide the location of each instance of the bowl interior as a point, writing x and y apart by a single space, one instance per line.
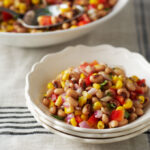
51 65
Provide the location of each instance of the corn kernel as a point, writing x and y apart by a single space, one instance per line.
114 79
7 3
51 104
69 110
10 28
63 10
45 95
82 76
120 108
141 98
86 94
96 86
65 76
59 101
82 101
63 84
135 78
35 2
73 121
100 6
50 86
128 104
22 7
77 112
119 84
84 117
100 125
93 2
97 105
73 26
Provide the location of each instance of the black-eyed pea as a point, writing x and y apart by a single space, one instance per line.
86 109
119 71
137 104
146 102
59 91
105 119
94 99
61 113
72 93
108 70
132 117
123 92
45 101
53 110
130 85
123 122
72 101
49 92
112 2
113 124
105 110
99 94
139 111
100 67
65 25
96 78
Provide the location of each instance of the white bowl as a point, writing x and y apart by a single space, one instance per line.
78 138
55 37
81 134
45 70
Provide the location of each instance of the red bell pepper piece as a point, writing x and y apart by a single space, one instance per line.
102 1
120 99
78 119
83 66
91 6
6 16
87 80
92 120
95 62
117 115
139 90
133 95
45 20
82 22
141 82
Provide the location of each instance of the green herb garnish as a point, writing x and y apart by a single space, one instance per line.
58 117
103 84
126 115
109 94
111 106
107 9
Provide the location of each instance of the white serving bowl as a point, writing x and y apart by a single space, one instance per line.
81 139
81 134
46 70
55 37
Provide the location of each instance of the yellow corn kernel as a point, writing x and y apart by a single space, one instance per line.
73 121
63 10
135 78
96 86
100 125
73 26
97 105
50 85
35 2
114 79
82 76
45 95
69 110
141 98
93 2
119 84
128 104
10 28
86 94
59 101
84 117
82 101
120 108
51 104
100 6
65 76
22 7
7 3
63 84
77 112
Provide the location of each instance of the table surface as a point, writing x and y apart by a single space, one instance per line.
130 29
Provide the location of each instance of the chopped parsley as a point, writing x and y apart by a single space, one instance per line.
126 115
58 117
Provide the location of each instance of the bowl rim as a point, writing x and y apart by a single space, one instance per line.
63 124
94 23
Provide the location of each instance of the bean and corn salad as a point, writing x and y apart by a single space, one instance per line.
94 9
94 95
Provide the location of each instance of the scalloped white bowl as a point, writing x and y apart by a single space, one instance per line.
55 37
46 70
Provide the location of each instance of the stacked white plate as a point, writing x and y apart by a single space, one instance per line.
45 70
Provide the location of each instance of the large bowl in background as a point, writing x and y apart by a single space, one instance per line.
47 69
55 37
